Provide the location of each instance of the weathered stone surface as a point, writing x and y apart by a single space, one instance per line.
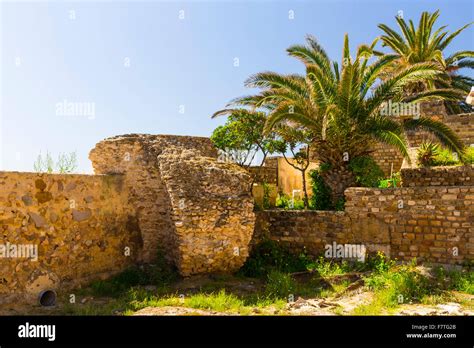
438 176
66 258
197 210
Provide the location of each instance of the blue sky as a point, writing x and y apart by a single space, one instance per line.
146 70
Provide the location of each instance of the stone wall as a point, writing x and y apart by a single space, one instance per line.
462 125
81 225
264 174
198 210
433 224
151 194
438 176
388 158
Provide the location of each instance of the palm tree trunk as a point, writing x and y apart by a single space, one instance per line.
338 178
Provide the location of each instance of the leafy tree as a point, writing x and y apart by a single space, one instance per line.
340 105
423 44
242 136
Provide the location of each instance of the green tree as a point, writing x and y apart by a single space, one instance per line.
242 137
340 105
423 44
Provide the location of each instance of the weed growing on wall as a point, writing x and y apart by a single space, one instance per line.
66 163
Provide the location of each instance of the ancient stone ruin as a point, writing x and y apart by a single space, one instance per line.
197 210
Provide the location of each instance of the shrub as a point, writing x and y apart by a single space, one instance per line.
269 255
321 198
427 153
456 280
340 204
159 273
430 154
445 158
397 285
469 155
366 171
267 189
394 181
284 201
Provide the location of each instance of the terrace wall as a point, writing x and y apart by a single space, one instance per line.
461 124
438 176
433 224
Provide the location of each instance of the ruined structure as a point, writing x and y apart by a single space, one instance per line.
197 210
149 194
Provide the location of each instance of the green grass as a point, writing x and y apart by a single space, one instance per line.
397 285
282 277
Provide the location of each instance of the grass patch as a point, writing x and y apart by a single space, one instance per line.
282 276
160 274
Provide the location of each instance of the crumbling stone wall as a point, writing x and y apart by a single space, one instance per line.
198 210
81 225
433 224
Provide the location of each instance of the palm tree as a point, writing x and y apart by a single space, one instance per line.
339 105
422 45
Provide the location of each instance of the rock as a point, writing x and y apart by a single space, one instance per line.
79 216
70 186
40 184
53 217
27 200
38 220
43 197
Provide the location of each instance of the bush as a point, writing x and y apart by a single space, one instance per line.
445 158
456 280
284 201
397 285
427 153
394 181
430 154
269 255
267 189
66 164
321 198
366 171
469 155
159 273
